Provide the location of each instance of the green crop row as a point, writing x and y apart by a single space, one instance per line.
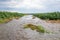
48 16
8 16
4 15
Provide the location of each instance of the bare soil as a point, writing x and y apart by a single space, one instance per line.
53 21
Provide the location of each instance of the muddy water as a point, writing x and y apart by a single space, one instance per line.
14 30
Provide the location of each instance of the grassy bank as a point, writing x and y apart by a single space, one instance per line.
48 16
8 16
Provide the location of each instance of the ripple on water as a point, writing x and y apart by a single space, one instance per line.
14 30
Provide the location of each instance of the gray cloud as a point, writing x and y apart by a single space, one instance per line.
30 5
4 0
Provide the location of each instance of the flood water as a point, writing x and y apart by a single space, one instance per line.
14 30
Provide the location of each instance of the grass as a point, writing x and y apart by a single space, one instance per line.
38 28
5 20
48 16
8 16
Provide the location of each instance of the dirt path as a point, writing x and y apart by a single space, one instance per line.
14 30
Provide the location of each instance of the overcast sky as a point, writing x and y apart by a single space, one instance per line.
29 6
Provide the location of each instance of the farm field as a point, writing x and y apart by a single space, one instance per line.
29 19
20 26
48 16
7 16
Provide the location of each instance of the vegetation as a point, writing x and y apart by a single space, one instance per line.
7 16
37 28
48 16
